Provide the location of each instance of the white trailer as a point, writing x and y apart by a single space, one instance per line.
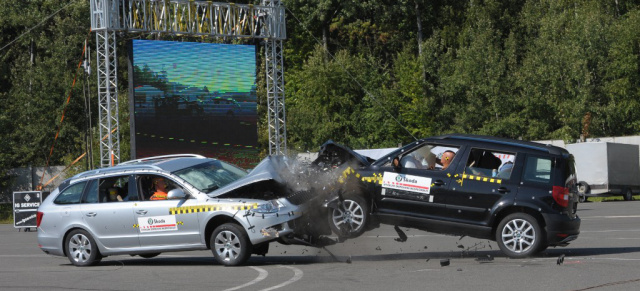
606 169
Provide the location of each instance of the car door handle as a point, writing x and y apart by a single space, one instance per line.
503 190
91 214
438 182
141 212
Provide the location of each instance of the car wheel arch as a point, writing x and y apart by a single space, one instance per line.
517 209
68 231
216 221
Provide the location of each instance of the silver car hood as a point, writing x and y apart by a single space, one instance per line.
268 169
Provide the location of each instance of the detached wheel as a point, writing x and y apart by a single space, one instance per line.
149 256
230 245
583 189
349 219
82 249
519 235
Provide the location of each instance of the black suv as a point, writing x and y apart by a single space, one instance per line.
521 194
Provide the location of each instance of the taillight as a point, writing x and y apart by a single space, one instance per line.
561 195
39 216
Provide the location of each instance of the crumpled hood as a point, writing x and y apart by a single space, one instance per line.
266 170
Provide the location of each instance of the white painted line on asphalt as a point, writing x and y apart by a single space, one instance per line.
297 275
618 216
262 274
23 256
610 230
424 270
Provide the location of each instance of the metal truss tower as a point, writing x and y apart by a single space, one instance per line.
186 17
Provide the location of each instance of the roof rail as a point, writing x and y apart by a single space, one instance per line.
162 157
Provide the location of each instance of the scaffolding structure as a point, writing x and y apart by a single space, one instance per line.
186 17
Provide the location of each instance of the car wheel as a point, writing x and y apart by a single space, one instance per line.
350 218
230 245
519 235
628 195
82 249
149 256
583 189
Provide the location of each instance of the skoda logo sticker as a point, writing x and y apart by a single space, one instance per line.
150 221
398 178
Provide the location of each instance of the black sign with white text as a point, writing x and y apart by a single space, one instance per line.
25 208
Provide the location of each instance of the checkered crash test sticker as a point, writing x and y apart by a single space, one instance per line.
406 182
157 223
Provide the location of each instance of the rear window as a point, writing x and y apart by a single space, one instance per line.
538 170
71 195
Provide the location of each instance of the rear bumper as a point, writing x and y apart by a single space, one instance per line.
561 229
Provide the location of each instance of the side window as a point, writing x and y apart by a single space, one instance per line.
490 163
92 195
115 189
156 187
538 170
71 195
427 157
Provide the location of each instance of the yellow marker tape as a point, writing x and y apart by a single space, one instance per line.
136 225
208 208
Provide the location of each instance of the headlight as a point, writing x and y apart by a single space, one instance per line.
271 206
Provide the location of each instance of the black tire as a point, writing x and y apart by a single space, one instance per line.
349 220
149 256
519 235
81 249
583 189
230 245
628 195
582 198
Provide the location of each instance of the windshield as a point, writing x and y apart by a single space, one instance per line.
210 176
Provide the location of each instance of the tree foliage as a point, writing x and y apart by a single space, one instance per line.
371 73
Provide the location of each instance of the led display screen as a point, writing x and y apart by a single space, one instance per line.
195 98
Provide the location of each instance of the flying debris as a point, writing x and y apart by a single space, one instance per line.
560 259
402 236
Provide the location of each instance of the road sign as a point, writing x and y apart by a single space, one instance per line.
25 208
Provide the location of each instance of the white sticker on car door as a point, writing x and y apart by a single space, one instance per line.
406 182
158 223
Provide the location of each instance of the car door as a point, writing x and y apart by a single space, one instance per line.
418 187
487 177
111 221
156 224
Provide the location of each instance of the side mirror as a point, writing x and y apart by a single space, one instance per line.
176 194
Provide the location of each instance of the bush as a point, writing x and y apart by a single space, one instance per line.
6 213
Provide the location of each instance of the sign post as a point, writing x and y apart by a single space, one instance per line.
25 209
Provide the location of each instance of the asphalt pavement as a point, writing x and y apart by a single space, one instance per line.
606 256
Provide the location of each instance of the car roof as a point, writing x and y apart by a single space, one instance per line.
546 148
167 163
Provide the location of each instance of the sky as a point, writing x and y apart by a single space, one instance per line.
220 67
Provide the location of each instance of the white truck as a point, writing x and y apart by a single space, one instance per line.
606 169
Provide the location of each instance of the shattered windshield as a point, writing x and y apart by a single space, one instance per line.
210 176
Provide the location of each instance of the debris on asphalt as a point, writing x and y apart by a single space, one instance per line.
459 269
425 247
485 259
561 259
348 260
378 248
444 262
428 260
402 236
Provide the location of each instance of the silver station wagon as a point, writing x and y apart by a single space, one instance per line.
204 204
